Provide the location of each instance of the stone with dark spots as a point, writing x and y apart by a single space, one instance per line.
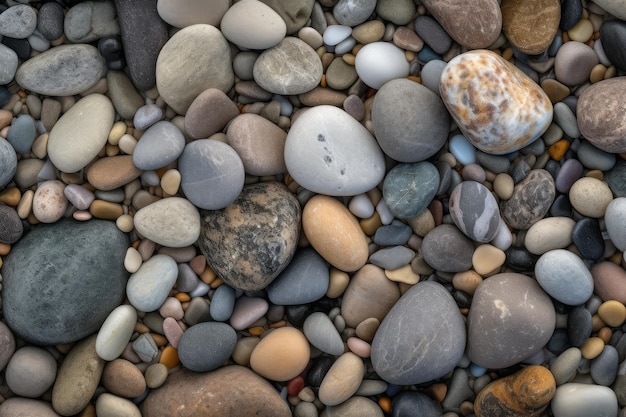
588 239
249 242
530 201
475 211
50 20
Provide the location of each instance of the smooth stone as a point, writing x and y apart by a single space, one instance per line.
18 21
321 333
342 379
408 403
123 378
410 348
581 400
379 62
613 34
109 405
64 70
297 75
8 64
571 12
148 288
614 7
251 24
475 211
116 332
354 407
594 158
7 345
579 326
212 174
172 222
160 145
608 281
49 202
616 178
433 34
98 249
206 346
124 95
251 241
89 21
30 372
144 35
527 392
294 13
548 234
340 75
196 58
146 116
304 280
335 34
78 378
517 17
353 12
604 366
414 137
565 365
605 99
574 62
392 257
145 347
587 237
453 16
50 21
281 355
614 218
398 12
222 303
590 197
566 120
570 172
106 174
409 188
531 200
503 329
212 394
192 12
396 233
82 131
247 311
361 206
564 276
328 152
208 113
11 228
17 406
445 248
491 122
334 233
8 161
495 163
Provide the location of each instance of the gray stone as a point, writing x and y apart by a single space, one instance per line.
604 366
340 75
11 228
22 133
354 407
409 188
494 163
458 389
530 201
27 362
510 319
148 288
613 34
594 158
222 303
564 276
410 403
8 162
161 144
17 406
64 70
67 258
124 96
447 249
253 239
18 21
582 400
615 219
433 34
565 365
400 12
410 122
206 346
50 20
294 13
89 21
616 178
353 12
145 347
475 211
7 345
322 333
146 116
422 338
8 64
396 233
303 281
392 257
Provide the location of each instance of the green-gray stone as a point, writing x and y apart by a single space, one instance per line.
61 280
409 188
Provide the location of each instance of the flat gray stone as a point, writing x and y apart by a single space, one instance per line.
206 346
446 249
322 333
50 20
303 281
22 133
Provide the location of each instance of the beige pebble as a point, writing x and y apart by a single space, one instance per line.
466 281
549 233
49 202
281 355
170 181
590 197
404 274
359 347
597 73
155 375
40 146
82 215
368 32
367 329
423 223
243 350
597 323
127 144
311 36
106 210
109 405
307 394
487 259
613 313
503 185
132 260
338 283
117 131
6 117
124 223
342 379
581 31
25 206
123 378
592 348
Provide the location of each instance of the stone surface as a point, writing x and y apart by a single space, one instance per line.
422 338
303 281
590 197
613 34
251 24
531 200
192 12
354 407
172 222
503 329
353 12
409 188
549 233
541 15
614 218
8 161
475 211
11 228
206 346
109 405
123 378
17 406
573 63
18 21
30 372
446 248
579 400
112 172
50 21
514 113
321 333
116 332
281 355
208 113
407 403
148 288
342 379
89 21
409 121
9 64
59 259
379 62
160 145
252 240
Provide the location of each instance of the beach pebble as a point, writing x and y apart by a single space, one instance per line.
30 372
549 233
421 339
354 407
222 303
247 311
604 366
379 62
590 197
116 332
615 218
50 21
570 172
16 406
11 228
172 222
518 17
616 178
342 379
208 113
7 345
407 403
574 62
8 160
106 174
146 116
89 21
303 281
251 24
614 7
587 237
18 21
22 133
123 378
49 202
321 333
502 329
491 121
281 355
531 200
564 276
95 275
206 346
353 13
252 240
409 188
148 288
446 248
192 12
160 145
613 33
579 400
109 405
475 211
594 158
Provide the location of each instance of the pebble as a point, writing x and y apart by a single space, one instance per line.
590 197
50 72
50 21
571 12
361 206
49 202
565 365
574 62
16 406
304 280
22 133
250 242
407 403
604 366
548 234
115 332
587 237
613 34
414 137
252 24
30 372
8 160
462 84
160 145
301 73
173 222
518 17
108 405
531 200
294 13
335 34
208 113
564 276
89 21
579 400
570 172
257 396
614 218
222 303
321 333
340 75
206 346
342 379
614 7
501 328
106 174
123 378
353 13
148 288
433 34
11 228
192 12
392 257
410 348
379 62
475 211
593 158
18 21
396 233
281 355
607 281
354 407
409 188
446 248
156 375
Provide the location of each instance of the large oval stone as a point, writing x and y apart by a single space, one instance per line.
510 319
76 271
475 211
249 242
530 201
498 108
421 339
173 222
543 16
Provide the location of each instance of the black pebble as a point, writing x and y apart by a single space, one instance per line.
587 237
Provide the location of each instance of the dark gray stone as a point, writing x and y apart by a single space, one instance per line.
396 233
571 12
50 20
447 249
571 171
11 227
409 188
206 346
252 240
494 163
613 36
422 338
8 162
531 200
475 211
616 178
588 239
433 34
413 403
458 389
22 133
303 281
579 326
61 280
604 366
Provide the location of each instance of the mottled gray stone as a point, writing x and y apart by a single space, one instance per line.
11 228
161 144
475 211
530 201
22 133
409 188
89 21
321 333
353 12
446 249
206 346
8 162
50 20
18 21
8 64
303 281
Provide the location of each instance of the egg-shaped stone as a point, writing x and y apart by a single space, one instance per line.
475 211
281 355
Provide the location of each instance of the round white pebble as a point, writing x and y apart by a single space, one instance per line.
335 34
116 332
379 62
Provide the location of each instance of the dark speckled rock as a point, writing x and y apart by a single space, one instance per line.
613 35
252 240
531 200
616 178
587 237
446 249
11 228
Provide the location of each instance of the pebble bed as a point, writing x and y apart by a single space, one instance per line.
313 208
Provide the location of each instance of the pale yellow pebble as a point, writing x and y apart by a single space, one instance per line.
595 173
117 131
597 73
613 313
25 206
597 323
132 260
124 223
82 215
170 181
610 72
106 210
40 146
111 150
127 144
503 185
590 196
349 59
403 274
582 31
592 347
466 281
423 223
487 259
449 159
338 283
11 197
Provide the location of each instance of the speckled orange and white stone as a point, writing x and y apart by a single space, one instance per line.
497 107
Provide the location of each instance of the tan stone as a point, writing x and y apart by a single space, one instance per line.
549 233
368 32
342 379
613 313
467 281
590 197
338 283
404 274
530 25
487 259
281 355
592 347
112 172
321 95
123 378
106 210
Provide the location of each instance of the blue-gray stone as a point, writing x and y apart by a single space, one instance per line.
22 133
494 163
571 12
433 34
571 171
146 116
11 227
161 144
579 325
396 233
61 280
475 211
447 249
564 276
50 20
8 163
458 390
303 281
414 403
409 188
392 258
222 303
18 21
187 280
9 61
422 338
594 158
353 12
616 178
613 35
604 366
322 333
206 346
445 176
145 347
587 236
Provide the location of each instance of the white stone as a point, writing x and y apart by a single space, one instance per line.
361 206
564 276
132 260
148 288
253 25
503 239
336 33
172 222
116 332
615 219
549 233
616 7
190 12
8 64
379 62
584 400
328 152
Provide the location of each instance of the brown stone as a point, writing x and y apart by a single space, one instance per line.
609 281
231 391
17 407
112 172
320 95
526 393
368 32
5 118
123 378
555 90
530 25
406 38
209 113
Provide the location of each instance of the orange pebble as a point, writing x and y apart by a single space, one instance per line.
169 357
256 331
5 248
384 402
278 324
159 339
216 283
135 244
437 391
182 297
557 150
207 276
323 81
